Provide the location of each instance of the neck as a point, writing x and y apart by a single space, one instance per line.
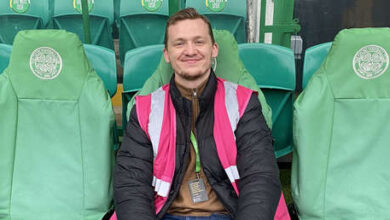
192 83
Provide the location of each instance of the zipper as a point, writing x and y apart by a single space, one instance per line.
194 94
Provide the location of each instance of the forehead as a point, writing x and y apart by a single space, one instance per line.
187 29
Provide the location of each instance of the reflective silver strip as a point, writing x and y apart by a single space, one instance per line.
231 104
156 118
232 173
161 187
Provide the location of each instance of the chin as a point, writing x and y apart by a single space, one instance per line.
193 74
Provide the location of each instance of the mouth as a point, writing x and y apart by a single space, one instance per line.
190 61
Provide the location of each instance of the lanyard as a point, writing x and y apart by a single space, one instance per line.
195 145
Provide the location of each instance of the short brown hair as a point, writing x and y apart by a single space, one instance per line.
187 13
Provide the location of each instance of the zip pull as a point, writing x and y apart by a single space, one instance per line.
194 93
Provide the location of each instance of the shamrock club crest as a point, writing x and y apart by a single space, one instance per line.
216 5
45 63
19 6
370 62
151 5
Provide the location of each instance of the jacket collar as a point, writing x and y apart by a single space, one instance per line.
206 99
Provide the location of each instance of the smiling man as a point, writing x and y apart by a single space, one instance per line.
198 147
190 47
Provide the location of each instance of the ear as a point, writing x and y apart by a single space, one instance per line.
214 52
166 57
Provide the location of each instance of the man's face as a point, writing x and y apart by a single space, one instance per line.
190 49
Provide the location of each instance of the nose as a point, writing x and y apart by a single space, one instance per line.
190 49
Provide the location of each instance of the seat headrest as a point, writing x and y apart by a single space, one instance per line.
48 64
357 64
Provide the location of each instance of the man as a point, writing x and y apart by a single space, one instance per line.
198 146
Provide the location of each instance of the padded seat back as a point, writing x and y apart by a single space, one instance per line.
340 163
273 68
56 124
67 15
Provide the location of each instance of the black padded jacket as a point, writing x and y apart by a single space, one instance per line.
259 184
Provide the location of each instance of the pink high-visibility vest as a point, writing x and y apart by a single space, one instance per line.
157 117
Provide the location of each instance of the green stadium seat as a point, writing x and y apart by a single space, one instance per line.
103 60
140 25
340 165
56 122
139 65
5 52
231 16
34 15
273 68
67 15
314 56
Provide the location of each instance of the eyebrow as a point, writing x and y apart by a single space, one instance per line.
178 39
183 39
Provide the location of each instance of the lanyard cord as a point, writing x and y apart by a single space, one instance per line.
195 145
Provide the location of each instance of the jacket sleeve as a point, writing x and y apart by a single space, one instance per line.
259 183
133 174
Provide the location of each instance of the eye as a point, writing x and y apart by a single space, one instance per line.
178 43
199 42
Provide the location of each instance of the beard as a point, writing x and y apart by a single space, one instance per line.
192 76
